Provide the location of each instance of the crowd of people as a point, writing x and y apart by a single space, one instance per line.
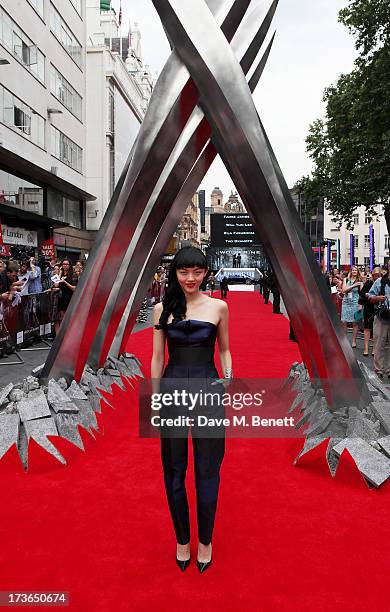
157 289
362 301
26 277
158 286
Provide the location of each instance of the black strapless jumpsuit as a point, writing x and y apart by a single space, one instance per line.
191 345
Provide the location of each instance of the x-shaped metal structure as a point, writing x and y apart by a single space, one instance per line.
202 106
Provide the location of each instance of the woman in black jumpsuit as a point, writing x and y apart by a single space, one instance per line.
191 322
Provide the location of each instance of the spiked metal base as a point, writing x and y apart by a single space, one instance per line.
363 430
31 410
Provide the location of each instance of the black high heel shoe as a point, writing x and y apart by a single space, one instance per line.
183 564
203 565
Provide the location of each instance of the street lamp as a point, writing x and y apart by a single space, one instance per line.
52 111
4 62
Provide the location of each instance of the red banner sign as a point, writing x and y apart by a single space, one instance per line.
4 250
48 249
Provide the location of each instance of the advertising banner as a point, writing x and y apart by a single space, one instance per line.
47 248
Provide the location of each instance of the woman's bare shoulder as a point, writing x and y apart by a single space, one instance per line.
220 305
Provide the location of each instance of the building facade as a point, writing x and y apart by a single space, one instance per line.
234 205
216 201
43 189
188 231
119 87
312 221
361 236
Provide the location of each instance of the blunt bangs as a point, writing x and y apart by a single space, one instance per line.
190 257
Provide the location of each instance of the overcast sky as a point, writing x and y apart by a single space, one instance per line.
310 51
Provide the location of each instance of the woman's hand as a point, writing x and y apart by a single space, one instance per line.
224 381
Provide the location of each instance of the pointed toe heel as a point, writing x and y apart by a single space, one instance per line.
183 564
203 565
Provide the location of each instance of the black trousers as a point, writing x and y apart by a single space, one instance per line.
208 456
276 300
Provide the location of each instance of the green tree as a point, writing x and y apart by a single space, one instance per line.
350 148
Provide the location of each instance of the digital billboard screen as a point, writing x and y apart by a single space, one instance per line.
232 230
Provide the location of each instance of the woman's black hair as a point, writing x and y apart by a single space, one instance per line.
174 300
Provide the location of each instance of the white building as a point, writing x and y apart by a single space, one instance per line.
42 121
119 87
361 233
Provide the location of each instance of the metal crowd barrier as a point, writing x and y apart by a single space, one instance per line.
25 320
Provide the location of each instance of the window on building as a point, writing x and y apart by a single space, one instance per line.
73 212
355 219
366 261
55 205
19 193
65 36
386 241
21 46
33 205
356 241
111 112
63 91
111 134
356 261
22 118
38 5
66 150
367 219
112 169
366 240
19 116
63 208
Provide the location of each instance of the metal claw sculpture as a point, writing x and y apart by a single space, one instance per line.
201 106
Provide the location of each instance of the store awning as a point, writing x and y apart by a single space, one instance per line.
10 215
31 172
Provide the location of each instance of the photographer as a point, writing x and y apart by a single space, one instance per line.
9 287
24 277
379 295
9 282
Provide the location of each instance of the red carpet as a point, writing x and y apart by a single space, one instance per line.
286 538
